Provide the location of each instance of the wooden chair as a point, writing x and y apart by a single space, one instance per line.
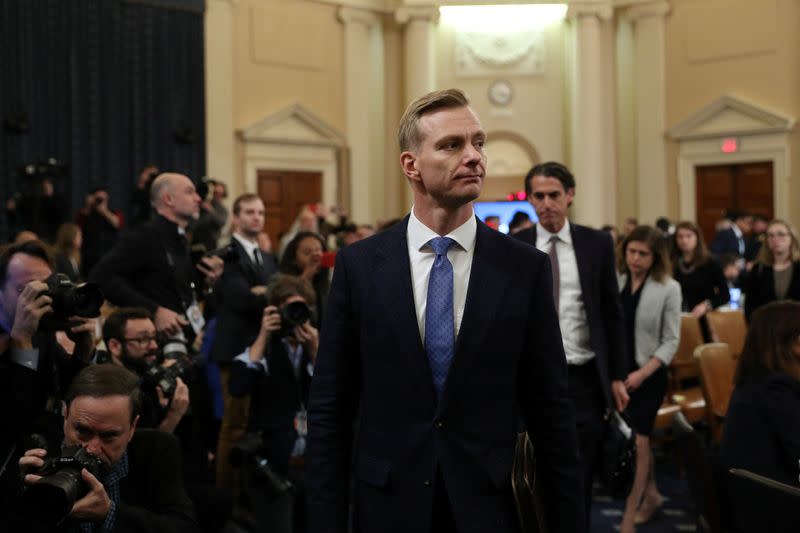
703 482
683 369
717 368
729 327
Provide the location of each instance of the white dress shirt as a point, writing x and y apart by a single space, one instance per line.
421 257
571 311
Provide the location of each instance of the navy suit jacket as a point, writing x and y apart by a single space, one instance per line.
372 369
594 253
239 310
726 242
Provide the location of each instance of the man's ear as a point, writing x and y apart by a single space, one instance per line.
408 162
133 427
114 347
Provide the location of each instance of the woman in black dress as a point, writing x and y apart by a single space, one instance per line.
651 301
776 272
703 284
762 426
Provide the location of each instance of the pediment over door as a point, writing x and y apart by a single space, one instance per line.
730 116
295 125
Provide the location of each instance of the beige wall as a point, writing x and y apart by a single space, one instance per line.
744 48
285 52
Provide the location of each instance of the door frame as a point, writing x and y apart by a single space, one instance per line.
752 149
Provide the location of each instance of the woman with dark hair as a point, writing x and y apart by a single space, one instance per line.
303 257
651 301
776 272
703 284
67 251
762 426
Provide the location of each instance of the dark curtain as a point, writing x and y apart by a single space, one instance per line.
105 86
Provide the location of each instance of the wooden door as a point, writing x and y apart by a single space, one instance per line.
284 193
746 187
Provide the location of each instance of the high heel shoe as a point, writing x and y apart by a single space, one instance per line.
648 509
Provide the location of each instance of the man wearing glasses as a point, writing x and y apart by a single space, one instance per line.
130 336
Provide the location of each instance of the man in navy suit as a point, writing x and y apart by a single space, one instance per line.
241 298
441 335
589 308
732 239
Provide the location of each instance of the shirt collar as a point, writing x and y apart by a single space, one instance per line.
419 234
248 246
736 230
564 234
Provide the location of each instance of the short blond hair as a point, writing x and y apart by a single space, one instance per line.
408 134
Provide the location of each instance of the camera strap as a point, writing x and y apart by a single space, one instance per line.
190 310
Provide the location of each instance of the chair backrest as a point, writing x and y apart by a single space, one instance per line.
717 369
683 365
729 327
700 475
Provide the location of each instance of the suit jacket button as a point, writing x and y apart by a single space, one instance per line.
439 424
427 482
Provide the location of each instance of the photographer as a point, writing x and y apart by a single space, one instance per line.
130 336
151 267
100 225
137 484
34 369
276 370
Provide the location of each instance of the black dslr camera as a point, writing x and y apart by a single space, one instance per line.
70 300
49 501
248 453
226 253
292 315
167 377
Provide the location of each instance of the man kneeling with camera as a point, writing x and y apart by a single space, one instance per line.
107 477
276 370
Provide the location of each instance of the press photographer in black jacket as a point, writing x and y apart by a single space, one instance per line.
276 370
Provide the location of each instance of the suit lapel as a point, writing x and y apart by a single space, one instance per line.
392 284
584 260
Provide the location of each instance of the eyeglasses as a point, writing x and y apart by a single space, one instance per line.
777 235
142 341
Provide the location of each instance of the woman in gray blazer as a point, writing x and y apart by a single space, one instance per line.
651 300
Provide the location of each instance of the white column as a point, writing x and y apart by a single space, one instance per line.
220 135
650 84
359 79
591 146
420 55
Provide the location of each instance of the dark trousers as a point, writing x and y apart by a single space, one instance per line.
586 394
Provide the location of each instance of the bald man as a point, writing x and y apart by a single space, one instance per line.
150 267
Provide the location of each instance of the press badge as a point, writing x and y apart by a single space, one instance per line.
195 317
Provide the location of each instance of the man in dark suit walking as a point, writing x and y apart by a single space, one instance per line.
441 335
241 298
589 309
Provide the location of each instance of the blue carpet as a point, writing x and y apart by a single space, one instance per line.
677 513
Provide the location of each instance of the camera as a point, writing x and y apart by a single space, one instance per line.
227 253
70 300
167 377
292 315
248 453
48 501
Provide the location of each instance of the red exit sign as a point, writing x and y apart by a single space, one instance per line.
730 145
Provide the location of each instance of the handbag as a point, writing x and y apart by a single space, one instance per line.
618 466
527 499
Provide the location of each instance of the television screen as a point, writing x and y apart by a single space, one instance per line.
504 210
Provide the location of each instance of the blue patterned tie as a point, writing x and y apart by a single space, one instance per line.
439 329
